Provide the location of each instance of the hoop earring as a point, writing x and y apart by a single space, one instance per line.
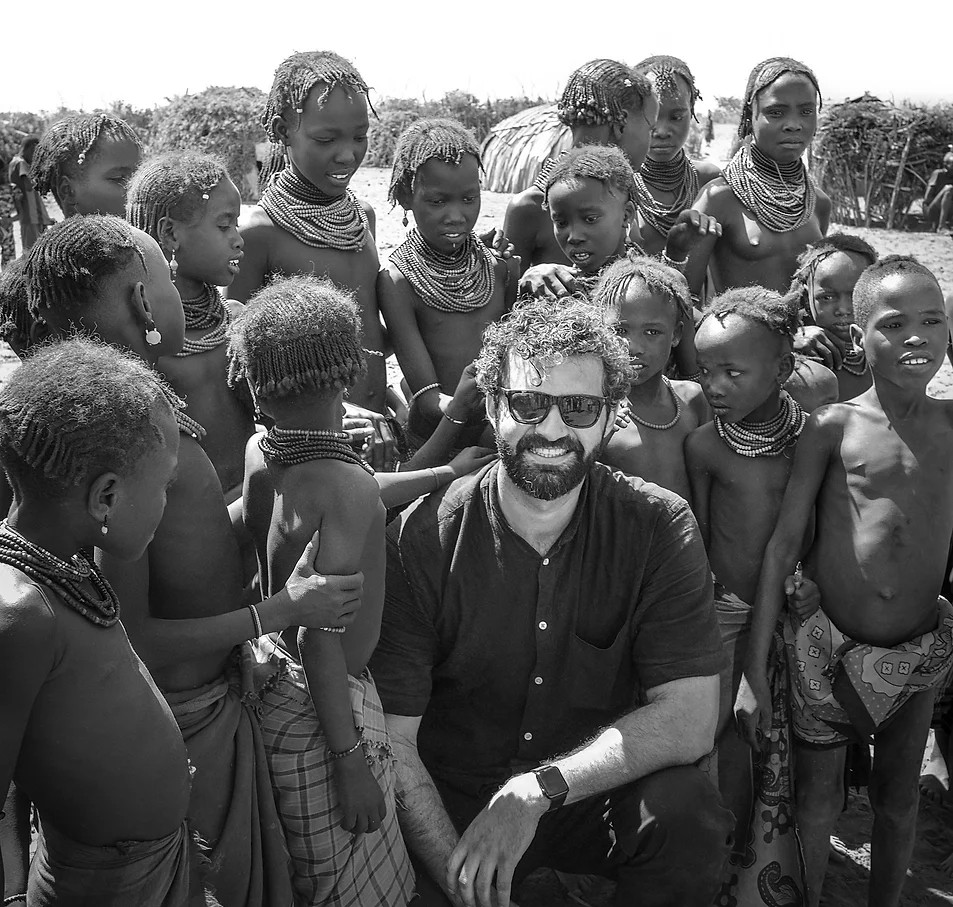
153 337
104 529
173 267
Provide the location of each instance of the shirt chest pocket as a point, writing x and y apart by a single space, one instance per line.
600 679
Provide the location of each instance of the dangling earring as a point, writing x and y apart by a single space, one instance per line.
153 337
104 529
404 221
173 267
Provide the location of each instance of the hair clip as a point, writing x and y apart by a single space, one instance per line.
81 159
627 83
299 110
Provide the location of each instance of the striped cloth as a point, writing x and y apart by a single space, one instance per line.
332 866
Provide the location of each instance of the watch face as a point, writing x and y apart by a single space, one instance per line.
552 783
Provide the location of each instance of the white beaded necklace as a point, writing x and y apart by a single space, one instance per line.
207 310
667 425
764 439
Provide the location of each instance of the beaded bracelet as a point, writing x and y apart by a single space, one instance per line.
677 265
353 749
254 616
424 390
14 898
450 418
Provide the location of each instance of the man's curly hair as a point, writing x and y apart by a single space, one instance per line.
551 331
659 280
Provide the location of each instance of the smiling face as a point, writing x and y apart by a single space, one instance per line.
446 201
209 250
832 289
326 142
100 185
590 220
785 117
673 123
650 324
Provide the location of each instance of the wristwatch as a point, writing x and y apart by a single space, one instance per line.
552 784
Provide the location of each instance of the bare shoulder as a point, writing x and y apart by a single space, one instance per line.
369 212
195 476
26 618
528 199
334 488
716 197
812 384
823 203
702 446
691 394
256 219
394 287
707 171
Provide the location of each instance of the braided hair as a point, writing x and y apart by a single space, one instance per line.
604 163
71 262
774 312
175 185
665 69
816 252
296 335
15 318
424 140
766 72
867 287
74 410
658 279
70 143
602 92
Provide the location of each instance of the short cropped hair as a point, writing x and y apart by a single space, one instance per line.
69 144
71 263
659 279
298 334
552 331
868 286
424 140
604 163
15 319
665 69
175 185
778 314
763 74
600 93
816 252
74 410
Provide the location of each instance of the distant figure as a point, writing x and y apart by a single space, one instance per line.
938 200
8 214
29 206
709 129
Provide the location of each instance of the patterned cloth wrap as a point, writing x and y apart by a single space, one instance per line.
843 690
332 867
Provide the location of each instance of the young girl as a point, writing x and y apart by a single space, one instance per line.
443 285
824 283
188 204
649 303
86 160
668 182
308 221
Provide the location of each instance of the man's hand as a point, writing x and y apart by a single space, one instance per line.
493 845
690 227
753 708
495 240
315 600
813 342
548 281
373 433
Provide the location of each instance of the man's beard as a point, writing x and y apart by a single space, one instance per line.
543 482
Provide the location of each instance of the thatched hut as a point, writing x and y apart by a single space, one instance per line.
517 146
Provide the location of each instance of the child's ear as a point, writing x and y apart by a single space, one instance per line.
785 368
279 129
857 336
677 333
166 234
103 496
629 214
65 193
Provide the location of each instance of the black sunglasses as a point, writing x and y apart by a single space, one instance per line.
576 410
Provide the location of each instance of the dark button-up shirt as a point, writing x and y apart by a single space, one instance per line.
512 657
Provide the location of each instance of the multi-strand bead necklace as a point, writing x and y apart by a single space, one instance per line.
677 176
764 439
316 219
204 312
458 281
292 446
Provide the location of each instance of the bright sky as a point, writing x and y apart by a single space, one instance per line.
96 51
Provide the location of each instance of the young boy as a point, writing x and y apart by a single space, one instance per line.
875 473
89 443
308 221
299 347
649 303
766 201
182 599
443 286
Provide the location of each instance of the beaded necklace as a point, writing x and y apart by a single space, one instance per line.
65 578
782 198
667 425
186 424
677 176
291 446
459 281
205 311
764 439
316 219
854 362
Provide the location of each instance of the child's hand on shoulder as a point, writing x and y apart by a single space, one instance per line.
495 240
471 459
689 229
359 795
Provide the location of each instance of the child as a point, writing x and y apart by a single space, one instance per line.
649 303
89 443
308 221
443 286
766 201
31 212
668 182
183 599
86 160
824 282
298 345
188 204
604 103
875 473
738 467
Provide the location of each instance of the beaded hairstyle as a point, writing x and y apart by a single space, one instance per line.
658 279
766 72
867 287
776 313
816 252
298 334
71 262
74 410
547 331
175 185
604 163
69 143
422 141
600 93
666 69
15 319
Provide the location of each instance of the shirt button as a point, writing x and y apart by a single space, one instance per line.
543 625
538 680
545 561
527 736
